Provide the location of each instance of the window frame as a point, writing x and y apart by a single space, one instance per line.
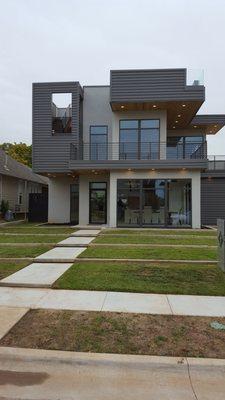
97 134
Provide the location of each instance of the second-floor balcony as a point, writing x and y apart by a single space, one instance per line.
127 154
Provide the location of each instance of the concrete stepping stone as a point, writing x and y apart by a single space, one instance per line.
21 297
75 241
60 255
36 275
86 232
136 303
73 300
9 317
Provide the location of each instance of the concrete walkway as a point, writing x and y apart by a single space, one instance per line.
209 306
49 266
40 374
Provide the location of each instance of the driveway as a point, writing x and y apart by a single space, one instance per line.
38 375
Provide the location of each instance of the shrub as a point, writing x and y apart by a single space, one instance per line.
4 207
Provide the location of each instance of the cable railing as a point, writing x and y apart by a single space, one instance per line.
216 163
138 151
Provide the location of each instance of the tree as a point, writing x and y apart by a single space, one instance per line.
19 151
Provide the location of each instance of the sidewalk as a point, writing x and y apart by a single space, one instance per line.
41 374
208 306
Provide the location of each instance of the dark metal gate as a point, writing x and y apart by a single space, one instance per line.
38 207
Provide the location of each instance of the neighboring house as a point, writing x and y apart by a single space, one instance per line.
133 153
17 181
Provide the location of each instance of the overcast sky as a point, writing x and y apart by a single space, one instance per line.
69 40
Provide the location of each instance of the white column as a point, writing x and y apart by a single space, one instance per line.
196 200
112 200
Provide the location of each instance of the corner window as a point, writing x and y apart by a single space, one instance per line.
61 113
99 142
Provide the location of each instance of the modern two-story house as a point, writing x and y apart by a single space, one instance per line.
128 154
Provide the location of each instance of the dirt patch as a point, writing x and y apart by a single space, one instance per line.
123 333
22 378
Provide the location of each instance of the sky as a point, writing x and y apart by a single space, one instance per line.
70 40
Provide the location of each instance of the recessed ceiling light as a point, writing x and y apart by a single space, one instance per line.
179 115
129 169
183 105
176 122
195 126
96 173
174 127
153 169
210 131
122 106
154 106
215 126
183 169
93 170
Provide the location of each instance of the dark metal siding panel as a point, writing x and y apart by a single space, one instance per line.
209 119
150 85
51 153
212 200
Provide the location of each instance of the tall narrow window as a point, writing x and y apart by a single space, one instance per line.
61 113
99 142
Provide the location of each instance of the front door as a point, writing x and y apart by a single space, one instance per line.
98 203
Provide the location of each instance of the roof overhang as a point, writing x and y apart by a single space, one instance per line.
211 123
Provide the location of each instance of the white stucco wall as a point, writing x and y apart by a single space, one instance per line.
183 174
59 200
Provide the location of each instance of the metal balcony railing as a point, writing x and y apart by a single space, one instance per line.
216 163
138 151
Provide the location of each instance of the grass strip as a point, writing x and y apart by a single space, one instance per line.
31 239
9 267
17 252
191 279
154 232
149 239
156 253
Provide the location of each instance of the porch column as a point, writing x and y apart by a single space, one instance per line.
112 199
196 200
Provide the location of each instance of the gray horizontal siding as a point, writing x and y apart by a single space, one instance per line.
51 153
152 85
212 200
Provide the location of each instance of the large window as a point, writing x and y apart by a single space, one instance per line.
185 147
154 202
99 142
139 139
61 113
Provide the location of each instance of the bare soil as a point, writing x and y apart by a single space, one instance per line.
123 333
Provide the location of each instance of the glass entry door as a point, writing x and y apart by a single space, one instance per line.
98 203
74 203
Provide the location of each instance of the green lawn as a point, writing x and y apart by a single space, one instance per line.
34 228
154 232
149 239
9 267
144 278
151 253
31 239
20 252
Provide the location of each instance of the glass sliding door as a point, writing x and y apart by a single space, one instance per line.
179 202
98 203
153 202
128 202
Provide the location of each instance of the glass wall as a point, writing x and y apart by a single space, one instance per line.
139 139
185 147
154 202
179 202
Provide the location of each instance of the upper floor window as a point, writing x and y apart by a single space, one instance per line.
139 139
98 142
185 147
61 113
